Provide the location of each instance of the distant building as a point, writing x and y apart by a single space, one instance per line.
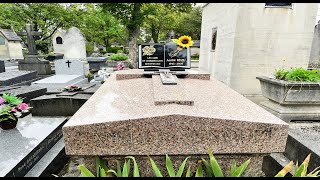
240 41
57 41
10 45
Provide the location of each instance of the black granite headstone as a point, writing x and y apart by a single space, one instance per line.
2 68
163 56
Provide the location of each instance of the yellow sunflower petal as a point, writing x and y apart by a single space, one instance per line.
185 41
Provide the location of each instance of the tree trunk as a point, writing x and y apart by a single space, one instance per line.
133 46
154 33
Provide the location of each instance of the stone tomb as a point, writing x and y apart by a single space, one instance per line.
23 147
16 77
25 92
68 72
131 114
97 63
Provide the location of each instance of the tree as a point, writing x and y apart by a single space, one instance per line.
100 26
190 23
46 17
132 16
161 21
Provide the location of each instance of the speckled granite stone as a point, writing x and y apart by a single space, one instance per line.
122 118
139 73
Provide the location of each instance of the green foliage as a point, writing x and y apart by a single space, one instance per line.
170 168
280 74
11 99
119 57
298 74
213 169
101 169
89 76
189 23
113 49
299 171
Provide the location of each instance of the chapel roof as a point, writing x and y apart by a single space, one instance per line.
10 35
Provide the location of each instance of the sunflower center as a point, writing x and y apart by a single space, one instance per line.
185 41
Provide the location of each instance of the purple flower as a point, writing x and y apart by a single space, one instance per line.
2 100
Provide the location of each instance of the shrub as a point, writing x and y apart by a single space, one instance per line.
298 74
113 49
119 57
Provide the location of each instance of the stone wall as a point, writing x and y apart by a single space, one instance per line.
252 40
4 50
223 16
15 50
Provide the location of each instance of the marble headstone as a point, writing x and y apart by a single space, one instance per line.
70 67
74 44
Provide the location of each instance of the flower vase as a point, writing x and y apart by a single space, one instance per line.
9 124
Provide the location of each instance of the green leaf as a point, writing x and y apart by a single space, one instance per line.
215 166
119 174
188 172
102 172
241 169
135 167
207 168
128 167
169 166
85 172
125 171
180 171
155 168
113 171
233 168
98 166
298 172
199 171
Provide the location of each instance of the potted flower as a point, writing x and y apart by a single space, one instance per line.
72 88
293 94
116 58
11 108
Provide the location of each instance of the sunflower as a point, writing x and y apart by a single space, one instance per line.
185 41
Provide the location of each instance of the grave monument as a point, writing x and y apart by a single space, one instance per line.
32 61
166 108
68 72
74 44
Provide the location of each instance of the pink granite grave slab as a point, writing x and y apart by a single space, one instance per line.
124 118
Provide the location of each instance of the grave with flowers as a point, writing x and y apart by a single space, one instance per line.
164 107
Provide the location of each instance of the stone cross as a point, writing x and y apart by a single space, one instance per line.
68 62
31 39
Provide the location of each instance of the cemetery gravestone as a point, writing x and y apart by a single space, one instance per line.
68 72
132 114
22 147
16 77
74 44
25 92
32 61
2 67
96 63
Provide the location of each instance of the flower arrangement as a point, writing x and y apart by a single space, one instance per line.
72 88
120 66
11 108
182 42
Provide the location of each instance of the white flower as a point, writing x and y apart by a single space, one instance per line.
18 114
